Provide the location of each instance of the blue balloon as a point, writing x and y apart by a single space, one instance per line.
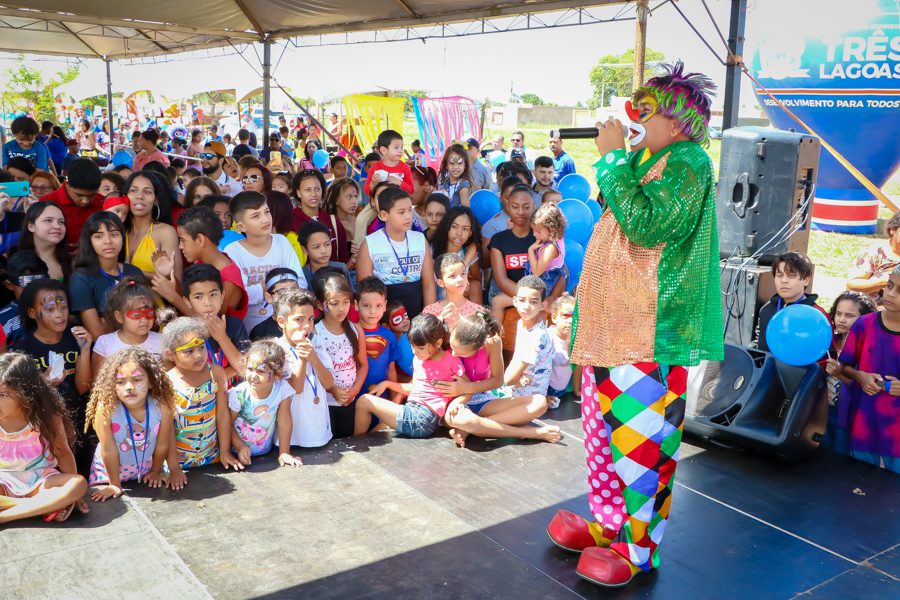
228 236
579 220
320 158
497 158
122 158
596 210
574 258
573 283
575 185
485 204
799 335
405 360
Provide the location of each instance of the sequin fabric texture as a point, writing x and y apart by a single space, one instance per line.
650 289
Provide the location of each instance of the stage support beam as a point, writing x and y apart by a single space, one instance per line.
640 42
109 104
734 63
267 89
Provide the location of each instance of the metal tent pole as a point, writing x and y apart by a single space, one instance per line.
267 88
109 102
733 66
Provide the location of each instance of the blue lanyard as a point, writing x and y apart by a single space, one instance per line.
314 383
140 465
403 268
112 281
780 301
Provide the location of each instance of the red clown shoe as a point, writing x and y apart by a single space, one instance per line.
605 567
574 533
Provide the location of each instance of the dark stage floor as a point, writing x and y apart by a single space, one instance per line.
382 517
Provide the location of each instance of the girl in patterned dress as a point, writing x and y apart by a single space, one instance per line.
336 342
202 421
132 407
37 467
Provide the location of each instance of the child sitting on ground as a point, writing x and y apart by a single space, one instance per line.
546 256
260 403
37 468
382 350
492 410
870 403
132 407
279 278
425 405
453 277
129 307
561 335
202 420
295 310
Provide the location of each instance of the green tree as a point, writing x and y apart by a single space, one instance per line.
214 98
26 89
612 75
529 98
407 96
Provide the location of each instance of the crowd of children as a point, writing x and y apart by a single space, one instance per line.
195 326
161 327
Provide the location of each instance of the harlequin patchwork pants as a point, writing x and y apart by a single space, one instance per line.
632 417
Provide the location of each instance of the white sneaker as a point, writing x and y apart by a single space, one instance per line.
553 402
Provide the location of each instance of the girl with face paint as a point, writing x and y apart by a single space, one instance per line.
132 314
132 408
260 406
61 352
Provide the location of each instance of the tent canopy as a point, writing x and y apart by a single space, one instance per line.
136 28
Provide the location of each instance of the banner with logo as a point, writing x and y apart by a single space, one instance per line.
839 72
370 115
445 120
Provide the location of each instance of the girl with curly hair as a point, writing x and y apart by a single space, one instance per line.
37 468
546 256
132 408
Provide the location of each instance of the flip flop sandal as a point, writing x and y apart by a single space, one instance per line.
60 515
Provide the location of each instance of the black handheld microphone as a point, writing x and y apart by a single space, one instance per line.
575 133
580 133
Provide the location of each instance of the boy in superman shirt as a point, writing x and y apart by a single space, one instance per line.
391 167
381 343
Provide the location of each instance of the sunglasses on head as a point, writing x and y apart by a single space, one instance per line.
137 314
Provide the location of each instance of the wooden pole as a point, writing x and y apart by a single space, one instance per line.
640 43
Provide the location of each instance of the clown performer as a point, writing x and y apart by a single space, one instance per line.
648 306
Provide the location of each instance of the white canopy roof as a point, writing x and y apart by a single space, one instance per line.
133 28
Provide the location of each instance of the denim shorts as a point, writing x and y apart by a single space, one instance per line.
416 420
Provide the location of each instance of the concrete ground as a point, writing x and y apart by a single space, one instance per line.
384 517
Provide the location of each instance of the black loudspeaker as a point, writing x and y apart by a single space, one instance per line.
766 181
754 401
